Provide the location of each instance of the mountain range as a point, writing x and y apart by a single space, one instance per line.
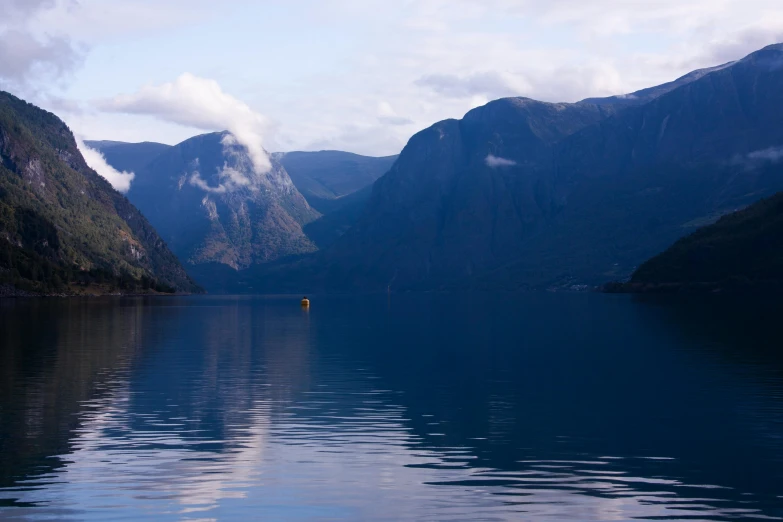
325 178
526 194
221 217
63 228
518 194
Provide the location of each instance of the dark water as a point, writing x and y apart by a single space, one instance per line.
530 407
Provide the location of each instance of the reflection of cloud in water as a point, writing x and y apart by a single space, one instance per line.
342 451
234 412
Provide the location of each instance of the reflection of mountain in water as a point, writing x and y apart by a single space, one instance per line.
568 406
544 378
55 357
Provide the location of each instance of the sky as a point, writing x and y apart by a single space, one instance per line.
361 76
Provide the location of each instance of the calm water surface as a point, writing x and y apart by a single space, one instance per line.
427 407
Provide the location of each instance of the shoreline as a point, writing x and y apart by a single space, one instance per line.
8 291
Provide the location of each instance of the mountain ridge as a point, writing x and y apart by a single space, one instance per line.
62 224
213 206
526 194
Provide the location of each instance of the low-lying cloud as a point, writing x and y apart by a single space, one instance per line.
119 180
200 103
494 162
231 177
758 159
772 155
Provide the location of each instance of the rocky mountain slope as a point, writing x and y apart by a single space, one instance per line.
212 206
335 183
63 228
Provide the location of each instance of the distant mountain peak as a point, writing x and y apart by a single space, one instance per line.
772 47
213 205
770 58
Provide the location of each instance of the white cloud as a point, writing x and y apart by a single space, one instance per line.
119 180
197 181
488 83
772 155
200 103
386 114
230 177
427 59
494 162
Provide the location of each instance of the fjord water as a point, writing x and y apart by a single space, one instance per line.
418 407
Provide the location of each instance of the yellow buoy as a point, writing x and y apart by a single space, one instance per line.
305 302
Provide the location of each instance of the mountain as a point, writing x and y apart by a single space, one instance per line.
742 250
324 178
335 183
640 180
526 194
645 95
63 228
128 157
328 228
216 211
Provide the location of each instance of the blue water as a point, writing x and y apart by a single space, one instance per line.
408 407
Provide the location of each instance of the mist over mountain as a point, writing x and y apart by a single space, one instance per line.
213 206
128 157
62 226
335 183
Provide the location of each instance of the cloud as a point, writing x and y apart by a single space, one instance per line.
432 60
230 177
28 59
197 181
494 162
772 155
492 84
758 159
200 103
386 114
564 83
119 180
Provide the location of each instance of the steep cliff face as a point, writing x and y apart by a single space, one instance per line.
522 194
638 181
462 196
59 218
212 206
